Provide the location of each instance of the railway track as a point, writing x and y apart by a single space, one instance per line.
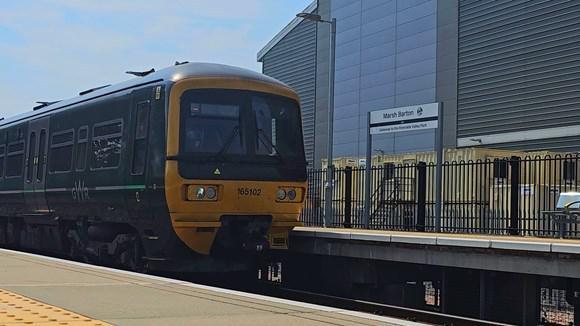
273 289
373 307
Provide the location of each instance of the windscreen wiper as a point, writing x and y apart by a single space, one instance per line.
228 143
276 151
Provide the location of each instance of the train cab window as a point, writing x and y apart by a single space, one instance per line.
15 159
276 127
234 125
212 128
82 143
31 157
61 150
106 145
2 155
140 144
41 156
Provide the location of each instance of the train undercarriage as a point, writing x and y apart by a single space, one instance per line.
240 244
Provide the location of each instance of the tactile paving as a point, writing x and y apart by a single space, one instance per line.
16 309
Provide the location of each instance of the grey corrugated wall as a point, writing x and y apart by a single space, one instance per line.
322 71
293 61
519 68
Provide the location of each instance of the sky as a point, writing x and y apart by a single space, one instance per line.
53 49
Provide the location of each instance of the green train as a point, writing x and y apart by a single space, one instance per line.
196 167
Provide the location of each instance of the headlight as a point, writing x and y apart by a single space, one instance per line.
291 194
281 194
211 192
201 193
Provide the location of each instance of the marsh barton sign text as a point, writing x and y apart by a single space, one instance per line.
408 118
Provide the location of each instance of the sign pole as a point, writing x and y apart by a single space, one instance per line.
439 169
367 214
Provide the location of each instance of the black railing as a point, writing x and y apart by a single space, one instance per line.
502 196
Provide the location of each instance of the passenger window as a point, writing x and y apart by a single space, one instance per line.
41 156
61 150
106 145
15 159
2 155
82 143
140 144
30 159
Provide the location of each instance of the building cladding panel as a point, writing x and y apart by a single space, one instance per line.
293 61
560 144
386 57
322 83
518 68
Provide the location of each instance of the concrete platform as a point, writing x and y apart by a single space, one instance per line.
568 246
100 296
528 255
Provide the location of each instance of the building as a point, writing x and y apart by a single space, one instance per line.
507 72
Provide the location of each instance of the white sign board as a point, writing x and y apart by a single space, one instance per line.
408 118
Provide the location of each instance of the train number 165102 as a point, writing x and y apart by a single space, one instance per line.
254 192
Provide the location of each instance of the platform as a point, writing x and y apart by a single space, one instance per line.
48 291
528 255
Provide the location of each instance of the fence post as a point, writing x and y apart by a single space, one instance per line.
514 196
347 196
368 174
329 196
421 195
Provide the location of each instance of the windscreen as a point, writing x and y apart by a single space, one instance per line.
243 126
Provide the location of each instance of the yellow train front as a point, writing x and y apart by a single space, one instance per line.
235 173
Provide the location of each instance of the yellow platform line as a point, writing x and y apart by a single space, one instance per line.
19 310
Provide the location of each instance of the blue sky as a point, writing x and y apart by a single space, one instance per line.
53 49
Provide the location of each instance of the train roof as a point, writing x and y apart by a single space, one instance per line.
170 74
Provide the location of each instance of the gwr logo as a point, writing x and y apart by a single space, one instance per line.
80 192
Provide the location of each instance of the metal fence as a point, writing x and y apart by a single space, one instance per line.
500 196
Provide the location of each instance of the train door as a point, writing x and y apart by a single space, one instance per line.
138 178
35 166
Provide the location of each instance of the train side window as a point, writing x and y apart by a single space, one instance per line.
41 156
61 151
82 143
15 159
106 145
2 155
140 143
30 158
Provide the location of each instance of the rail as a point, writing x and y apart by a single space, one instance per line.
386 310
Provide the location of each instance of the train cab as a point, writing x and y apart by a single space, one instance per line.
236 171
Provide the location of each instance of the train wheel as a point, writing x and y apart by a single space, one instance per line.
131 257
76 250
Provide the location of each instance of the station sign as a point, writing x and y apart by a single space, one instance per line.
407 118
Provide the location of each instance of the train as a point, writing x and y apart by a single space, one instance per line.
197 167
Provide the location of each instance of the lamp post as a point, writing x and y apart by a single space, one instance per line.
330 163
